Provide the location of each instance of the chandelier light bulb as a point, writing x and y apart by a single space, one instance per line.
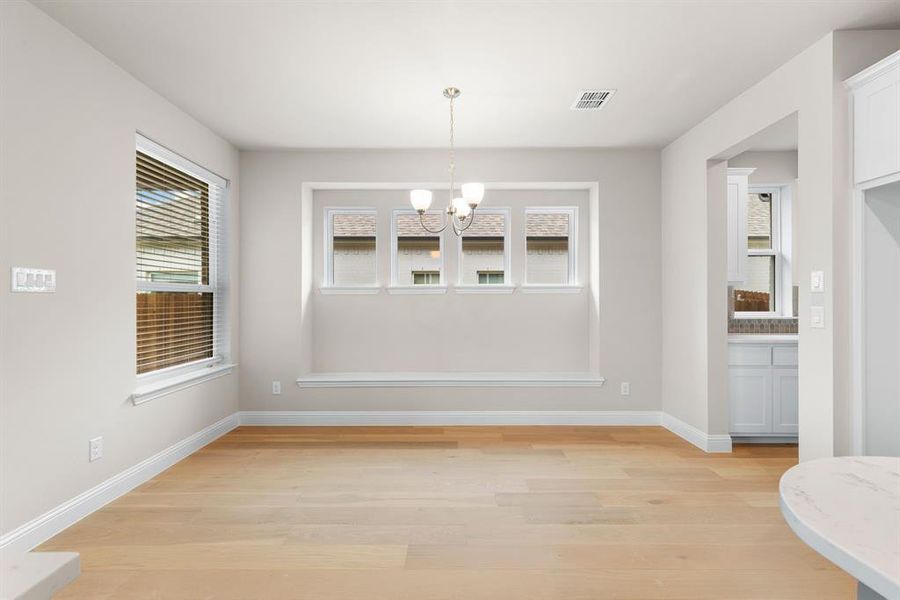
462 207
420 199
473 193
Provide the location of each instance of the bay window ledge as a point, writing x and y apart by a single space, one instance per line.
551 289
161 387
349 290
486 288
417 289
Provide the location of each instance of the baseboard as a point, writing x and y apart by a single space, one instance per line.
704 441
438 418
42 528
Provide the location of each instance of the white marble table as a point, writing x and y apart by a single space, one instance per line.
848 510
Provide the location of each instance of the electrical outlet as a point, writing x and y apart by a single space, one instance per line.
276 388
96 449
625 388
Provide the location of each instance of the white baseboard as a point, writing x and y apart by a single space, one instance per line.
42 528
438 418
704 441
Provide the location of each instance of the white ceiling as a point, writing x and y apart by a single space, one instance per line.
268 74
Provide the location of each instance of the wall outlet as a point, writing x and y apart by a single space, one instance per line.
625 388
276 388
96 449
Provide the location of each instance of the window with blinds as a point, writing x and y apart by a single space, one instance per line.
179 209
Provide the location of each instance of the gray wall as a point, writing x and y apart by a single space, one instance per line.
281 344
67 185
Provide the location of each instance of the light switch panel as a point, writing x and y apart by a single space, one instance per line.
24 279
817 317
817 281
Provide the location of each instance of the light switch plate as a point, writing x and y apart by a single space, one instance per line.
817 281
24 279
817 317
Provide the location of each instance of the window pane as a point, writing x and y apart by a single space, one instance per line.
173 328
172 224
418 251
759 221
353 249
547 248
757 293
483 250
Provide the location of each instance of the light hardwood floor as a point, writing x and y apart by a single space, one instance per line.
453 513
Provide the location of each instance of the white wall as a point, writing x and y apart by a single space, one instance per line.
272 284
68 118
772 167
694 277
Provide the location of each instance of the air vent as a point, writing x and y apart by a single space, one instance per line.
592 99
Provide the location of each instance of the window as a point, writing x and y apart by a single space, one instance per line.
550 246
490 277
179 246
350 256
484 248
426 277
763 290
417 253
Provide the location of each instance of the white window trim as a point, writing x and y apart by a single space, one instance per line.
573 285
781 245
160 382
507 254
328 286
396 288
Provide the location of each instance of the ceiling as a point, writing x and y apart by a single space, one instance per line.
267 74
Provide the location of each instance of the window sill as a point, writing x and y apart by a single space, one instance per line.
551 289
485 288
349 290
162 387
761 315
417 289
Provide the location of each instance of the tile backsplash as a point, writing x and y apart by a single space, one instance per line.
761 326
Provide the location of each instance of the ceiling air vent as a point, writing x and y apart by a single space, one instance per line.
592 99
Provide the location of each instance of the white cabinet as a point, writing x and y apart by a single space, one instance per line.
738 188
875 96
762 389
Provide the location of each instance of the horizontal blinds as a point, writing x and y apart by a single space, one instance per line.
179 256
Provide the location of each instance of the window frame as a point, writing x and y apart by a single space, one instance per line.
507 253
159 381
328 285
572 283
780 236
395 256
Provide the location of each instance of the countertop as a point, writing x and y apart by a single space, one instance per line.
848 510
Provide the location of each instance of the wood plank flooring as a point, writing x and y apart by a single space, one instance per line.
469 513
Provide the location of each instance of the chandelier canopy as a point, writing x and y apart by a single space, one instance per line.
460 212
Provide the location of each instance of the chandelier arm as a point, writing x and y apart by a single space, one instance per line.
470 220
425 227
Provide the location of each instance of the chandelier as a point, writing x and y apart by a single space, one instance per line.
460 213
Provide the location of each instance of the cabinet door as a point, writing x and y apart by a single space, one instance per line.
876 125
737 227
785 396
750 399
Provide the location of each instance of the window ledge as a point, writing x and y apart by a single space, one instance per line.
761 315
349 290
417 289
162 387
551 289
485 288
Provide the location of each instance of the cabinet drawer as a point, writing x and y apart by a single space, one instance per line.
749 355
784 356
